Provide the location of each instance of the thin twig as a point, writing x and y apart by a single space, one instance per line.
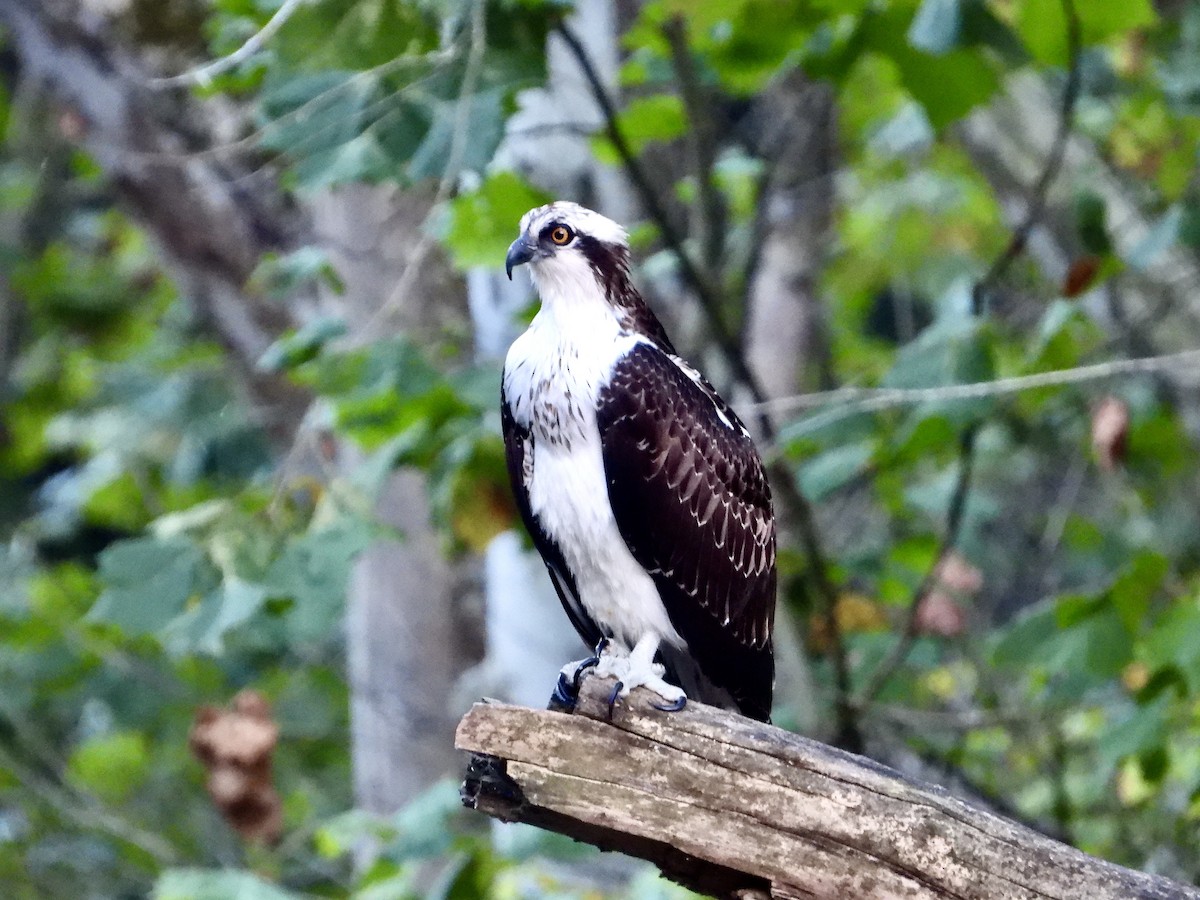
203 75
899 651
82 810
1058 149
786 490
896 657
851 400
458 141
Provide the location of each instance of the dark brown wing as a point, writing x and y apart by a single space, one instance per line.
518 453
691 500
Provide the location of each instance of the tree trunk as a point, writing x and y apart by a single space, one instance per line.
405 648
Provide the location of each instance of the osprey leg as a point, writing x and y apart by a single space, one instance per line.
639 669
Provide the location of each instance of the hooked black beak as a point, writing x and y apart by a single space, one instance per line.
519 251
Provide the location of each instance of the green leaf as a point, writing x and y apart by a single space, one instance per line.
1090 213
949 352
343 833
148 582
1043 26
1075 636
948 85
1144 729
658 117
312 571
111 766
484 222
1174 640
314 115
279 276
437 806
354 33
303 344
202 628
1099 646
755 39
216 884
1065 334
1136 586
1023 641
1104 20
824 474
935 28
462 137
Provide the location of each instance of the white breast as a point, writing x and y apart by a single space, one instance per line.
552 377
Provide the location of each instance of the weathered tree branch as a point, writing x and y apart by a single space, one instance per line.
733 807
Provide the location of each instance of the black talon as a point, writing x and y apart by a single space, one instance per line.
590 663
612 698
672 707
566 691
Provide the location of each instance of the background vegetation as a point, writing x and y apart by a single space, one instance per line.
846 210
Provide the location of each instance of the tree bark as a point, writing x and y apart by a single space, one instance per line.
736 808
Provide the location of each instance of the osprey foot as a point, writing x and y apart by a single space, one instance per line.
638 669
566 690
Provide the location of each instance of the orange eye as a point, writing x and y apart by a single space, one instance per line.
561 235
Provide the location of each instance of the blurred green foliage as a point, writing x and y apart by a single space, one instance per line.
158 555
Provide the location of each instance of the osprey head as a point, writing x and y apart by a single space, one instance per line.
563 236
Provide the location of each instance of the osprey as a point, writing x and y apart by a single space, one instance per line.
641 489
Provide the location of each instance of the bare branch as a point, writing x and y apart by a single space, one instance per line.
954 517
203 75
702 141
1058 149
852 400
458 140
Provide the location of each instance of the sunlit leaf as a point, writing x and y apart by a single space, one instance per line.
110 766
483 222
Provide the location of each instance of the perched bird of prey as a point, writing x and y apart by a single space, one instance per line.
641 489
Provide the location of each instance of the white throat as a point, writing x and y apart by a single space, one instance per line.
566 283
554 372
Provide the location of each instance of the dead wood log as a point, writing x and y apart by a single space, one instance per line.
735 808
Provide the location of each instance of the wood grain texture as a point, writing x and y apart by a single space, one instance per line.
736 808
